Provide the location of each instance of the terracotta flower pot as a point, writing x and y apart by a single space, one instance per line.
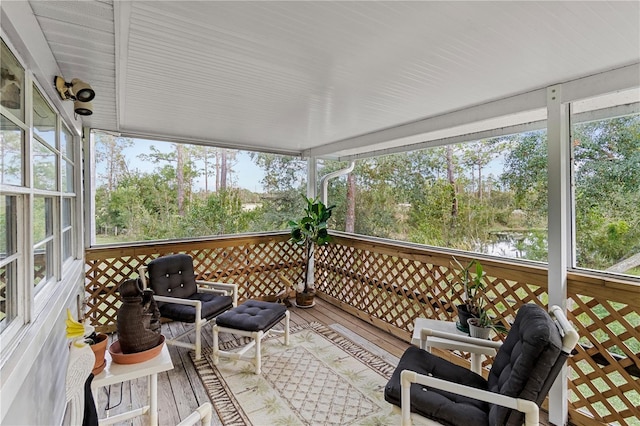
99 348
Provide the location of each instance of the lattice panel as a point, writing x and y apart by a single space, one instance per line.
398 290
254 264
605 371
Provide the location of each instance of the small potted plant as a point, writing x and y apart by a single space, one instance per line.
482 325
310 231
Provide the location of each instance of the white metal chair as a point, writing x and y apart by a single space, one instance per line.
524 368
201 416
181 297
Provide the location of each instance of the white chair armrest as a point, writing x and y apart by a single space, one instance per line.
220 288
444 340
179 301
142 273
570 335
196 303
529 408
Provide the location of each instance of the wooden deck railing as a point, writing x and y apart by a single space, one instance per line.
391 284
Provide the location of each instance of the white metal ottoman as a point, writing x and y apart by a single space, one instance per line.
253 319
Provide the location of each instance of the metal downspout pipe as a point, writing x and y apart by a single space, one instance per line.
324 181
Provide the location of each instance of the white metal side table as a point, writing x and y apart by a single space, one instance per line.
118 373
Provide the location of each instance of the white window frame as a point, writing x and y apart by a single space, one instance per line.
32 301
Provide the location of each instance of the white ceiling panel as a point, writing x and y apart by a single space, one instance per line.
297 76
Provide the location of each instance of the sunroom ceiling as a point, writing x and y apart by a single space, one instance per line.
295 77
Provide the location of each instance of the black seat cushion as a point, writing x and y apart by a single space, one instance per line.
252 315
528 356
172 276
442 406
212 305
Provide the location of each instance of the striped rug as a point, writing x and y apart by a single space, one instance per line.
321 378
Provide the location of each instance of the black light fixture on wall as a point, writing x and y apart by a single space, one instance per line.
78 91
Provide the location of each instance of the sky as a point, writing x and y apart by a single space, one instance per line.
247 174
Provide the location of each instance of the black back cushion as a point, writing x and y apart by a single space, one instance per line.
172 276
529 353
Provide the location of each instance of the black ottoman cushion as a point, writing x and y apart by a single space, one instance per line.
252 315
445 407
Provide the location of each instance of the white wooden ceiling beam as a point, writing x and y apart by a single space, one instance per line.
602 83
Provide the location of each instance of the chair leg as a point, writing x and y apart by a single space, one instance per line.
257 336
286 328
215 345
198 339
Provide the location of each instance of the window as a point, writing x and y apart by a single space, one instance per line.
142 193
66 151
43 237
8 260
487 196
11 83
11 145
68 242
44 119
38 222
44 157
606 174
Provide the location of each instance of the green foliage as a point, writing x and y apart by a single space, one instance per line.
607 191
216 214
473 286
311 230
525 172
312 227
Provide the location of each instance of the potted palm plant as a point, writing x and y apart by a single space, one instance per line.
310 231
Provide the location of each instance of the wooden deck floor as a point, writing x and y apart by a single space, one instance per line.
180 390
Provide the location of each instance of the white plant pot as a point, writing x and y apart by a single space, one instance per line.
479 332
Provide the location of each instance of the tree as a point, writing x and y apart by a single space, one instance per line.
284 181
477 155
452 182
178 167
216 214
350 221
607 191
525 172
109 152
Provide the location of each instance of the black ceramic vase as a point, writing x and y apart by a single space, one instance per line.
138 321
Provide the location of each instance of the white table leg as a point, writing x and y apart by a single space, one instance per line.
153 399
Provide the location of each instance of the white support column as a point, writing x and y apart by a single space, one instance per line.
559 228
89 176
312 177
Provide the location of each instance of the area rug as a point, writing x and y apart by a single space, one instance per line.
321 378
